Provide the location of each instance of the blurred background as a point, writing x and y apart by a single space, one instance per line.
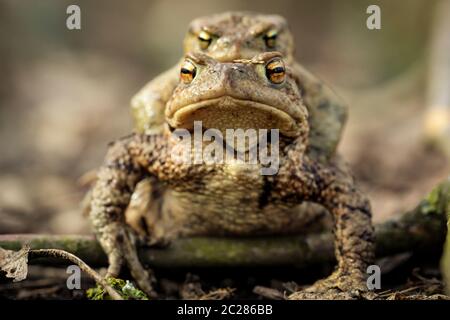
65 94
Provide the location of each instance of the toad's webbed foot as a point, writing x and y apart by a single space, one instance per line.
338 286
120 247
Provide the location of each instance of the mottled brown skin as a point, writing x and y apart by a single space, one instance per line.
233 199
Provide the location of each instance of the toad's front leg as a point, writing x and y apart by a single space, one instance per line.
122 170
334 188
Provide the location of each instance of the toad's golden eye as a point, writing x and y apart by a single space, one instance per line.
275 71
204 39
270 38
188 71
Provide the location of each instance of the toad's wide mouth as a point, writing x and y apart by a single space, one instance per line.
230 113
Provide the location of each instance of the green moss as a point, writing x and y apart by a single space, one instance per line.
430 204
124 287
433 197
438 200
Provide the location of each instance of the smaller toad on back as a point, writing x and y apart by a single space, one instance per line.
232 198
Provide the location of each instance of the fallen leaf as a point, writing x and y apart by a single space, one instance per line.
15 263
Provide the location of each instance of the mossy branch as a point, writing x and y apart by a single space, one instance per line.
420 229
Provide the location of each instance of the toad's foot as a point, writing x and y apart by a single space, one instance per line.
122 249
337 286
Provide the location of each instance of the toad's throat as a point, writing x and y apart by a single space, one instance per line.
230 113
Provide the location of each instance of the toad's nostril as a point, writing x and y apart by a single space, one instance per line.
224 42
238 69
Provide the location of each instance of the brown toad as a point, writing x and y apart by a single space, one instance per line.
226 37
233 198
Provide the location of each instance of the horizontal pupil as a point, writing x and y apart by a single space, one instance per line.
186 71
277 70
